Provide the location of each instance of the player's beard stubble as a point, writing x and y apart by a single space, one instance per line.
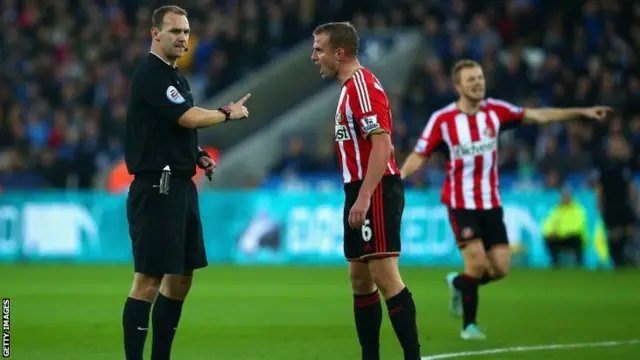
328 72
474 95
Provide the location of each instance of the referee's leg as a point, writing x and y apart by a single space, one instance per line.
157 228
175 286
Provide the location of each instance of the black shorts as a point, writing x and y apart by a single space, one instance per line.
486 225
380 236
166 230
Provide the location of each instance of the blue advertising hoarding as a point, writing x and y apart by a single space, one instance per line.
266 227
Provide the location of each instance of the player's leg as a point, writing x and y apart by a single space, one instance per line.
496 243
167 309
385 216
400 304
499 264
367 308
464 287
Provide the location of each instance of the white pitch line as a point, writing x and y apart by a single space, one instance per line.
531 348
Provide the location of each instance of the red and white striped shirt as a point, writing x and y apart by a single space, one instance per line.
362 109
472 168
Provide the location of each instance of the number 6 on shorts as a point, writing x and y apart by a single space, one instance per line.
367 233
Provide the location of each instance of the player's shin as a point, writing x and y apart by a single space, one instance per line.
402 312
368 317
486 278
135 325
468 286
400 304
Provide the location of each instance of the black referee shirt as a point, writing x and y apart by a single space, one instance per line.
159 96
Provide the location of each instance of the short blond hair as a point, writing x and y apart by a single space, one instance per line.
461 65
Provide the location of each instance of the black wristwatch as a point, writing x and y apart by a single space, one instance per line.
226 111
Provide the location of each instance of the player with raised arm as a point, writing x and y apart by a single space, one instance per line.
470 128
374 193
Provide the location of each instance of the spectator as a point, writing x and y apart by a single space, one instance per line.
66 63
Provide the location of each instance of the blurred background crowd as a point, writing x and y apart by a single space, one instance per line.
65 66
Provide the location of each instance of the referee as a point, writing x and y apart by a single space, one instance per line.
162 153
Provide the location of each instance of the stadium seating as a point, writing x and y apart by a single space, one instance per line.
64 78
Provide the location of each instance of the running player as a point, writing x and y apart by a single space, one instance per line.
470 128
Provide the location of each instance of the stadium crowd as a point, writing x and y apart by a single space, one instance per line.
535 53
66 63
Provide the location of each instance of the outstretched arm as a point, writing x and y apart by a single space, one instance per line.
549 115
411 164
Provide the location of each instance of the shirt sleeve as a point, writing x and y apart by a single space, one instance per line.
163 97
510 115
430 138
370 106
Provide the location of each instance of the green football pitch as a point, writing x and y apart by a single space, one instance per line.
285 313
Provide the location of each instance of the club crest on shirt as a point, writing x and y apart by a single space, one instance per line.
174 95
489 132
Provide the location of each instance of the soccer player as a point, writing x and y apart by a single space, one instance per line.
470 128
162 207
373 190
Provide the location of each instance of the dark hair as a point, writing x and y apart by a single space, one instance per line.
341 34
158 14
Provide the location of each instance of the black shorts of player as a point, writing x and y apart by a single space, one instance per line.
166 230
485 225
380 235
618 216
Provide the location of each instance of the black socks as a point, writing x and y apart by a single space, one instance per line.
402 312
166 315
468 286
135 323
368 314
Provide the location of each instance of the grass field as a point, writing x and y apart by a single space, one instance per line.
74 312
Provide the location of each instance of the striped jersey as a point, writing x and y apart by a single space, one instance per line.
471 180
363 108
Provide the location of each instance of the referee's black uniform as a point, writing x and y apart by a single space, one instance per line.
165 228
